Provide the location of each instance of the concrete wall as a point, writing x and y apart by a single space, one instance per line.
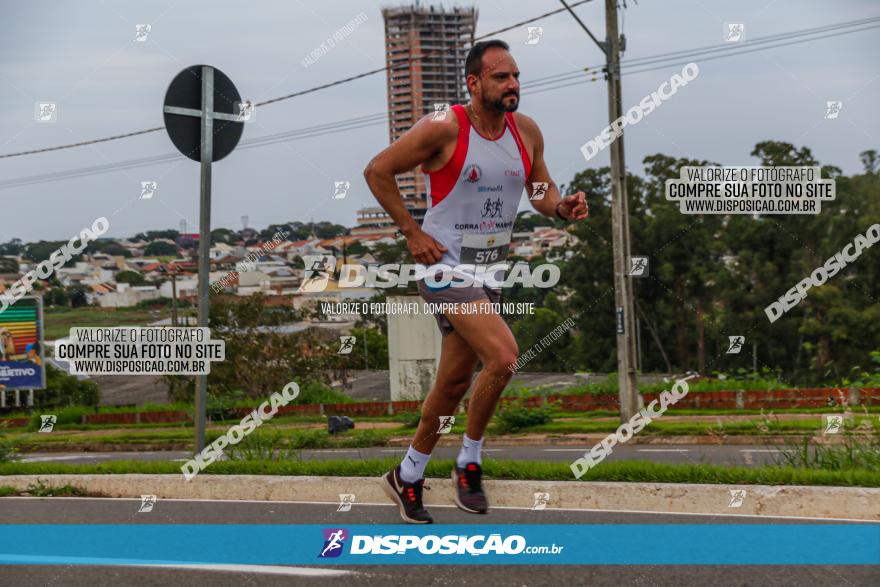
185 287
127 297
414 343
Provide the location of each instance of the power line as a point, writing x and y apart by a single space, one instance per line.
275 138
796 42
747 44
757 41
294 94
296 134
640 61
554 81
519 24
726 47
91 142
671 61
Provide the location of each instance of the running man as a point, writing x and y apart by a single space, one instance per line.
477 159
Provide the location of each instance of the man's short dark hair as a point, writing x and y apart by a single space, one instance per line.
473 65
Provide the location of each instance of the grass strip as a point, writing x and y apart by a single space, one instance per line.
282 437
40 489
405 416
620 471
320 438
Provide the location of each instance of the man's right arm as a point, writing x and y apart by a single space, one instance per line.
424 140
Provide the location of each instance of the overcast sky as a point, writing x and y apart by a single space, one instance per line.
82 56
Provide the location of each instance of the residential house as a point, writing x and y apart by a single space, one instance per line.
120 295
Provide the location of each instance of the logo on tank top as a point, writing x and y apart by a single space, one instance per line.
473 173
492 208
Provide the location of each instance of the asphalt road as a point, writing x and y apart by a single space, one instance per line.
108 511
740 455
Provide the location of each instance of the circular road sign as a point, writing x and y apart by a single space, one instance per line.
184 95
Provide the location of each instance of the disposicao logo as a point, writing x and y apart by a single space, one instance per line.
334 541
450 544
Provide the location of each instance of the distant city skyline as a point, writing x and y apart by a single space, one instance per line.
85 58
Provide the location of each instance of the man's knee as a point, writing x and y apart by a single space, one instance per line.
501 361
451 388
457 388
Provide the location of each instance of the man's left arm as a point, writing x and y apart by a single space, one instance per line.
551 203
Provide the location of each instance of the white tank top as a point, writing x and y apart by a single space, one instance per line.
473 199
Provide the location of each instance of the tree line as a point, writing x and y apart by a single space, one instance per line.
711 276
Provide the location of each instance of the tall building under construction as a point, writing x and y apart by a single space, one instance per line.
425 51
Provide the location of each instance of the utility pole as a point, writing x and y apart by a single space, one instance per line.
174 298
623 293
366 356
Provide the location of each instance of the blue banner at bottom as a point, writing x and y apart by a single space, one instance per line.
294 544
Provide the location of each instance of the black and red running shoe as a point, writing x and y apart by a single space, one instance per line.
469 494
407 496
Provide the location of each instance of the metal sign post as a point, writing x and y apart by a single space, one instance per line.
197 97
207 151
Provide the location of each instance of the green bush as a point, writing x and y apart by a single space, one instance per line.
516 416
864 378
310 439
263 446
8 450
224 407
63 389
766 379
316 392
40 489
66 415
860 450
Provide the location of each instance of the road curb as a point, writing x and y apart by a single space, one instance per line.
585 440
589 439
855 503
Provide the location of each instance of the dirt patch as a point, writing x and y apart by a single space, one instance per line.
713 419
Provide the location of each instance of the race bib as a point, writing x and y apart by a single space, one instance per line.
483 249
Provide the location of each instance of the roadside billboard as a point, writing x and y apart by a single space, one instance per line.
22 364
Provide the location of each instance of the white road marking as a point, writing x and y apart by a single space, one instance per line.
760 450
222 568
404 450
662 450
261 569
524 508
710 514
55 458
87 455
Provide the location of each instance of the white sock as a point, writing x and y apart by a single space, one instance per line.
470 452
412 468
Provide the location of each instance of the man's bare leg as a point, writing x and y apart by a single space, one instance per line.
488 335
454 376
404 483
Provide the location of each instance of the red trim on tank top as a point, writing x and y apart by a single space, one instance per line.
445 178
527 162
